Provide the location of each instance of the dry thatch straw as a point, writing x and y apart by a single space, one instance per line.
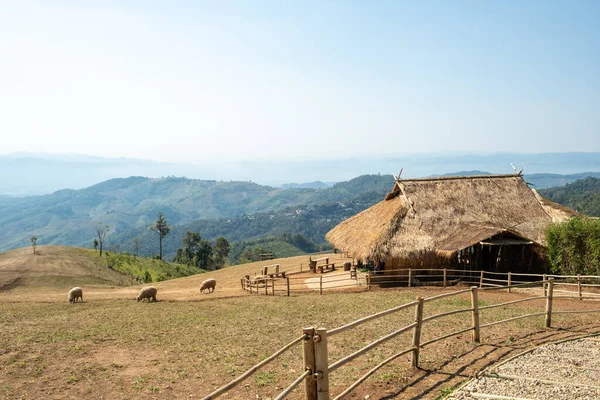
439 216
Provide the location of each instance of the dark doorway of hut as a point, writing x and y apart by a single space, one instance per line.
501 254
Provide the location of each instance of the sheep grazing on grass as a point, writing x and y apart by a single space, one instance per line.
208 285
147 293
74 294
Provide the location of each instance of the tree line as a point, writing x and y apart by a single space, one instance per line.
194 252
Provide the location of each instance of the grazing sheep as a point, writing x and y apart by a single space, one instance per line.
208 285
74 294
147 293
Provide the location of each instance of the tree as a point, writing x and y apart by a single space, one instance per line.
136 246
195 251
95 244
33 243
101 233
162 228
574 246
221 251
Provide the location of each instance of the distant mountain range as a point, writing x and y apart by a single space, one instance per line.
128 206
35 174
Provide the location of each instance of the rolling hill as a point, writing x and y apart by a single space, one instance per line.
70 217
65 267
582 195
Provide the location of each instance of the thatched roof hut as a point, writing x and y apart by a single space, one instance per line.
442 220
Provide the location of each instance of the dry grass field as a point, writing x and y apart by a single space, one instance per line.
187 344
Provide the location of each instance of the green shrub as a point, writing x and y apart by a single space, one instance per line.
574 246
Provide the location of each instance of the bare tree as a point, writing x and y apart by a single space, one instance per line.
34 243
101 232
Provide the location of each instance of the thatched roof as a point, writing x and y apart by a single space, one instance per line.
444 215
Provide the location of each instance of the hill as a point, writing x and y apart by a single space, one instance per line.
65 267
582 195
70 217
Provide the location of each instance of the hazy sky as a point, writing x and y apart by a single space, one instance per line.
193 81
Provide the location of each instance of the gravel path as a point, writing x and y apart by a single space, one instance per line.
568 370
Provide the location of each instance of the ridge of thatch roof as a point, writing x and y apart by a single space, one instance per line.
444 215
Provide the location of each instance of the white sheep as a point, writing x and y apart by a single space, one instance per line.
147 293
74 294
208 285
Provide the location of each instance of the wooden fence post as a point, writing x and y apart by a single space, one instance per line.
273 286
266 286
321 364
417 332
308 347
509 282
320 284
475 314
445 277
409 277
368 280
288 286
481 279
579 285
544 279
549 303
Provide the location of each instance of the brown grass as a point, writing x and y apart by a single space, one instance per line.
188 343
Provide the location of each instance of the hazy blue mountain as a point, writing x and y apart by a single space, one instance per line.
32 174
70 217
307 185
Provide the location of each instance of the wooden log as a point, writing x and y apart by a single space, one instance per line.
321 284
265 270
273 287
288 285
481 279
445 277
417 332
308 348
549 303
321 364
475 315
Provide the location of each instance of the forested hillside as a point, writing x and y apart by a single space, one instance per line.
582 195
311 221
128 206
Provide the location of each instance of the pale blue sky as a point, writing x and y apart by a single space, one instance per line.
194 81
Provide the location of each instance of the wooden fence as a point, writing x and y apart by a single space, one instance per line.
317 366
288 282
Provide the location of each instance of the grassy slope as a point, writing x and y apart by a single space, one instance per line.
60 267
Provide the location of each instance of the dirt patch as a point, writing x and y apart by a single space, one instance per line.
11 285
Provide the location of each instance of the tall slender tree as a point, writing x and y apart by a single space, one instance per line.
33 243
136 246
162 228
